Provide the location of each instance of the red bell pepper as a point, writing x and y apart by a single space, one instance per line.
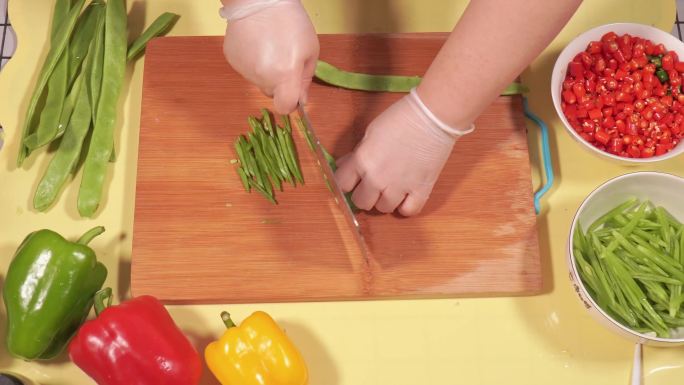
136 342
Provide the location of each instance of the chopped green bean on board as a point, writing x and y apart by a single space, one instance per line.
629 259
267 156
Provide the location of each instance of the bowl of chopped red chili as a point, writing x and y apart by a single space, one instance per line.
618 90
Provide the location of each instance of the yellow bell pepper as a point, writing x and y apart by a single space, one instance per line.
255 353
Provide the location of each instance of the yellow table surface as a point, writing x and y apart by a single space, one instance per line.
546 339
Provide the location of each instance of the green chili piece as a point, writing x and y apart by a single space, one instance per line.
102 140
661 74
657 60
57 48
158 27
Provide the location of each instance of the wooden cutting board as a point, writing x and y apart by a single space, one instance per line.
200 238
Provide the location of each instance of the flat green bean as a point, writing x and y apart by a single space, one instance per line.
94 76
57 48
82 36
159 26
332 75
102 140
48 121
68 152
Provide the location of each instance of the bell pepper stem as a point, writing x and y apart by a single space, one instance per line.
100 297
90 234
225 316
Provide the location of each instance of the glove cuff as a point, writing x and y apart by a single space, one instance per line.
239 9
452 131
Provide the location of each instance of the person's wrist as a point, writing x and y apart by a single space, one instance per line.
454 130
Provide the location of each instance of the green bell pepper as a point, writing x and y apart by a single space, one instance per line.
48 292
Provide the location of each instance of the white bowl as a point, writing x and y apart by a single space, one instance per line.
578 45
661 189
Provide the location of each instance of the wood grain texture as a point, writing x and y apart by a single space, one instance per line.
200 238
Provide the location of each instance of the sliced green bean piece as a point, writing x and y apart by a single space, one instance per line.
265 193
675 292
610 214
289 160
588 275
243 178
57 48
681 245
664 227
102 140
634 221
266 120
158 27
293 156
656 278
286 123
279 156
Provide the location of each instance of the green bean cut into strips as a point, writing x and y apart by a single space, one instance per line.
630 261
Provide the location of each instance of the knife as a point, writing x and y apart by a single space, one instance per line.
329 178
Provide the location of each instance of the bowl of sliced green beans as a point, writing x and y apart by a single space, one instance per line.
626 256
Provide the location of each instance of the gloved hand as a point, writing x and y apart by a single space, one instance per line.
272 44
399 159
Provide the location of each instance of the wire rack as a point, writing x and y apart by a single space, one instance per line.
7 42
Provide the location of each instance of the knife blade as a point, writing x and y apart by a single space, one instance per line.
329 178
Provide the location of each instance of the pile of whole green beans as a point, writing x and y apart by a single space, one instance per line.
267 155
74 103
631 260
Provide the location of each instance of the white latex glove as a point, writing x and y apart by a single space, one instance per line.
272 44
399 159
